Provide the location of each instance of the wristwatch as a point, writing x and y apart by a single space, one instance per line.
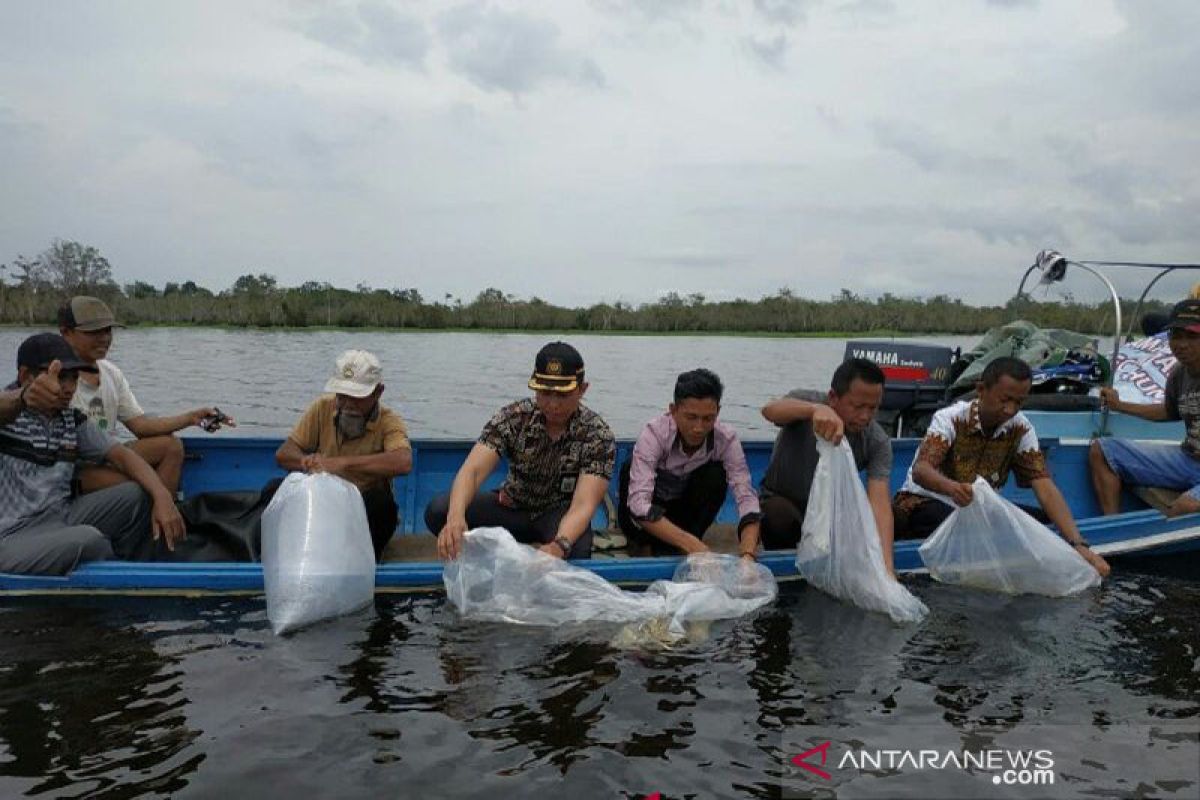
564 544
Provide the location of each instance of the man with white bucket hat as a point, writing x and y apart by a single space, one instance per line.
349 433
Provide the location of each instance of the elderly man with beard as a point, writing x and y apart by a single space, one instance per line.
349 433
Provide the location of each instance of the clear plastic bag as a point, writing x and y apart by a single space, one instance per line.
496 578
992 544
317 557
839 550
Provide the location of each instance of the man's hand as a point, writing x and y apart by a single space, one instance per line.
197 415
43 393
827 424
450 539
552 549
1097 562
1110 398
166 522
315 462
962 494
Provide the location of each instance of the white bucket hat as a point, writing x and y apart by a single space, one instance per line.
356 373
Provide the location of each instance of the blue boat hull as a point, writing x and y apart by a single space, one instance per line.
229 464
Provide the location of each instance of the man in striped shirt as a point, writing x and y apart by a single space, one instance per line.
560 455
44 529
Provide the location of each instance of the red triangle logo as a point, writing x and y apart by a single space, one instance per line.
823 750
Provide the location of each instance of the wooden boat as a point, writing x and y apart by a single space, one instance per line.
239 463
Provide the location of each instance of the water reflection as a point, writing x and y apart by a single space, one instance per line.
198 698
88 705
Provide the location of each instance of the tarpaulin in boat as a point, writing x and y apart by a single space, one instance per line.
1059 358
221 526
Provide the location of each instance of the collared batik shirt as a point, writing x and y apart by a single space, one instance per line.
956 446
542 472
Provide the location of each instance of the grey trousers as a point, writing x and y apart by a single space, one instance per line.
94 527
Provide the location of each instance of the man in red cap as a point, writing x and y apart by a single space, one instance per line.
1115 462
560 455
44 529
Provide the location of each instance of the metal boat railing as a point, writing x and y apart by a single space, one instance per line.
1053 266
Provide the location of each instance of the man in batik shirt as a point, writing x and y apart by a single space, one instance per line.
560 459
987 437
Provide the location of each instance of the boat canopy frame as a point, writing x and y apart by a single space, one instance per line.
1052 276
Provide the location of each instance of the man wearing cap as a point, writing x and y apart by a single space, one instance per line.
349 433
1115 462
560 459
103 394
43 528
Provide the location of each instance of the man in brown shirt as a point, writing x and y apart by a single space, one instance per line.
349 433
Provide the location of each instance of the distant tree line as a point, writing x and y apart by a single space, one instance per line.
31 289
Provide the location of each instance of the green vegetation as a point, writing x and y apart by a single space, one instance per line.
32 289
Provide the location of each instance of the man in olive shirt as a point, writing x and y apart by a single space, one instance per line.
349 433
848 410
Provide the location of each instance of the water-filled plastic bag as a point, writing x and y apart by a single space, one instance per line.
839 550
992 544
317 557
497 578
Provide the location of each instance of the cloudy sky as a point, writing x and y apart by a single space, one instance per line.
603 149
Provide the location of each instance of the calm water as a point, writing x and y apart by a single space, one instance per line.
447 384
196 698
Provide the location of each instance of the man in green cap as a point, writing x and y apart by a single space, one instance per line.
105 397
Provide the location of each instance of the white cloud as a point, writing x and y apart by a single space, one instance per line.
603 149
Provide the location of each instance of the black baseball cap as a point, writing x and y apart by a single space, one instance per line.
557 368
39 350
1185 315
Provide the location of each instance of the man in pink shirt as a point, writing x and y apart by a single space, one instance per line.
675 483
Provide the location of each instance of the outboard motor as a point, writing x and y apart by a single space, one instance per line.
917 378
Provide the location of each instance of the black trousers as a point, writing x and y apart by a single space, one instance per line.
782 521
927 515
382 513
694 510
486 511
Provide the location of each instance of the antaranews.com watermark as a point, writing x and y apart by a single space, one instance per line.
1023 761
